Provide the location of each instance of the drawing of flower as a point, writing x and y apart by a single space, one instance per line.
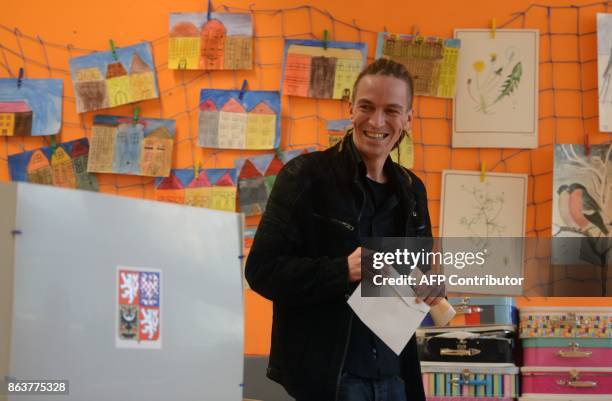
493 82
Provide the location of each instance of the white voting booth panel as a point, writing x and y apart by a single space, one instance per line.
63 323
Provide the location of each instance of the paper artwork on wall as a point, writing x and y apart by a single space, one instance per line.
223 42
65 166
102 80
213 188
256 177
32 108
121 146
432 61
496 105
311 70
230 119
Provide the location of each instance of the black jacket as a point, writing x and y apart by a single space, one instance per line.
299 261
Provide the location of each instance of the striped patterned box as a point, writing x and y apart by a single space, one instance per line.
475 311
445 379
581 322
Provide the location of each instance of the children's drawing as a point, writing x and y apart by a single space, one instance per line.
231 120
120 145
213 188
431 61
336 130
102 81
311 70
33 108
256 177
604 70
223 42
65 166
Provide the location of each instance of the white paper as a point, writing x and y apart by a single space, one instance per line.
393 319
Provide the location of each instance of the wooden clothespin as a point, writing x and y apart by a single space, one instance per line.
135 115
53 144
493 28
587 145
325 40
20 78
209 10
196 168
242 89
483 171
113 49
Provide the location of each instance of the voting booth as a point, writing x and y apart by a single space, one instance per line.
126 299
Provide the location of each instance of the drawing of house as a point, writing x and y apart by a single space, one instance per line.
142 80
84 180
61 166
224 193
322 74
170 189
212 45
208 126
127 148
15 118
232 125
156 153
271 172
91 90
118 85
261 127
252 189
184 46
238 52
39 169
199 191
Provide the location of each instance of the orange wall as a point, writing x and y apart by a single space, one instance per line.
77 25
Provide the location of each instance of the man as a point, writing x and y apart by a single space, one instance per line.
306 256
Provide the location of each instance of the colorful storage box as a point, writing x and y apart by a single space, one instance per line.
580 322
577 352
447 379
480 310
487 344
566 380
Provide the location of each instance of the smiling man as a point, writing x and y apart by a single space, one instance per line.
306 256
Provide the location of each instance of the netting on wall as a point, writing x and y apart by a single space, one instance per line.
568 99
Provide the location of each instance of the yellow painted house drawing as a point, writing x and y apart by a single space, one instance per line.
184 47
61 166
118 86
39 170
142 80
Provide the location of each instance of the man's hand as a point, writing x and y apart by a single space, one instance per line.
431 301
354 265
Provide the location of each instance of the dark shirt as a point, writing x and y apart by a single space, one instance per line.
367 355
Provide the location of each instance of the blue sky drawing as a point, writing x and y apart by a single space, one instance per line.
102 59
235 23
338 125
44 96
186 175
150 123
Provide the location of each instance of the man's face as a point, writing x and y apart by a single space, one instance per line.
379 114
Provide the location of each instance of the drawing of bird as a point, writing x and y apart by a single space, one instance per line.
584 209
564 206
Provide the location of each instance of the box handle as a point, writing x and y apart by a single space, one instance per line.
574 352
459 352
575 383
463 307
466 381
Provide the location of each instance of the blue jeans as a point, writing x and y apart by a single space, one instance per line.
355 388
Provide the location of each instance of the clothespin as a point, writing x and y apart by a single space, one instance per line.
587 145
325 39
242 89
196 168
493 28
113 49
53 144
209 11
483 171
135 116
20 78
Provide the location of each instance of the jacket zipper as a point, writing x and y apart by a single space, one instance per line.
344 224
350 326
